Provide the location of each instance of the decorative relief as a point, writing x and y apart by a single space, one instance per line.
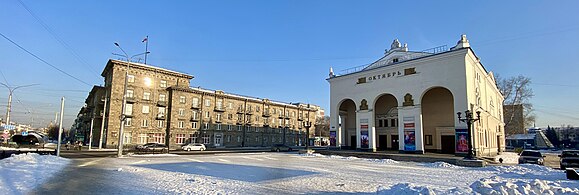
364 105
408 101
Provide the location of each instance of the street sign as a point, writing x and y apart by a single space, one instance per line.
9 127
25 133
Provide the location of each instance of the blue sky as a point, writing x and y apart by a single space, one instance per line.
280 50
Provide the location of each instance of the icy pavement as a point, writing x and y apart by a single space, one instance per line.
290 173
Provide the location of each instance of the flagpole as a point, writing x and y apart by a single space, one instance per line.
146 48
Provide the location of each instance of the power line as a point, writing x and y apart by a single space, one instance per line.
32 54
55 36
551 84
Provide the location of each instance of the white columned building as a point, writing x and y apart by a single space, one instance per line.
408 100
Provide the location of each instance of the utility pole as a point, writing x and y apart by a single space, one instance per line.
90 134
103 120
10 92
60 130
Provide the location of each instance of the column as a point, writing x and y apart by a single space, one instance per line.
410 130
365 131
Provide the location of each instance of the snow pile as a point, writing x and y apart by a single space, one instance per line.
151 155
498 185
24 172
440 165
311 155
405 189
508 158
383 161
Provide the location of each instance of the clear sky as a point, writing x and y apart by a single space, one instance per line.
281 50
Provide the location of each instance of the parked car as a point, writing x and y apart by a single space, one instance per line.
152 147
532 157
569 158
194 146
280 147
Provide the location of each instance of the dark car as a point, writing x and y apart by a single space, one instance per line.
532 157
569 158
152 147
280 147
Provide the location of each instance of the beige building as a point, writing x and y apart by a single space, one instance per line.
162 108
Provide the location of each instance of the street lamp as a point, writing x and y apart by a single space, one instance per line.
469 120
307 125
123 117
11 91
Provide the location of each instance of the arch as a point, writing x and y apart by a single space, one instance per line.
386 121
437 107
347 121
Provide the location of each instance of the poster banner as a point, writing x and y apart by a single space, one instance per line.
332 138
409 140
461 141
364 139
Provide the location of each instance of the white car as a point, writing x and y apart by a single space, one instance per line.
194 146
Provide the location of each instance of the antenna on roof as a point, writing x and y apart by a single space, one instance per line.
146 41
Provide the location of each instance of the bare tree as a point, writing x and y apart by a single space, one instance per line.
322 127
517 91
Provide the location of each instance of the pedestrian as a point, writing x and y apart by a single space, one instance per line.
67 145
79 145
501 160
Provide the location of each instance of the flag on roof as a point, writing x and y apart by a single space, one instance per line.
145 39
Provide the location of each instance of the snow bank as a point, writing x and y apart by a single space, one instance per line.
405 189
508 158
151 155
440 165
21 173
498 185
383 161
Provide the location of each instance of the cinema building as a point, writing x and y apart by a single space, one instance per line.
408 101
163 108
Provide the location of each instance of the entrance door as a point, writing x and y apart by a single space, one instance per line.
447 144
218 139
353 142
394 142
382 142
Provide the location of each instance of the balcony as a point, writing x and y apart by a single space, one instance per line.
287 116
195 106
266 124
281 116
131 99
266 114
240 110
194 119
249 112
248 121
219 109
239 121
300 118
162 103
160 117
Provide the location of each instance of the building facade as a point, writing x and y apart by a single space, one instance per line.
408 101
162 108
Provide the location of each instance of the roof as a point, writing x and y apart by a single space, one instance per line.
521 136
111 62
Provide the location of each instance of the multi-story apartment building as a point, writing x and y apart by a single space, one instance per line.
162 108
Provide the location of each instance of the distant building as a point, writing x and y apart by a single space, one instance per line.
514 119
568 136
535 139
408 100
162 108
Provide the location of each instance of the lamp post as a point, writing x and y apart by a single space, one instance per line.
10 92
307 125
469 120
123 117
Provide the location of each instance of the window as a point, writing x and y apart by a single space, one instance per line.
218 126
395 60
428 140
229 127
194 125
182 99
143 138
161 111
386 123
159 138
238 127
219 104
194 115
238 138
230 105
130 93
147 96
128 122
145 109
162 97
163 83
380 123
127 138
207 102
207 114
181 124
160 123
180 138
230 116
206 139
205 126
218 117
256 139
181 112
193 137
228 138
131 78
145 123
129 109
195 102
393 122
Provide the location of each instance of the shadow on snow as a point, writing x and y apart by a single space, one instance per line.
229 171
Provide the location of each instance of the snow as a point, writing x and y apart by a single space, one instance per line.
291 173
508 158
23 172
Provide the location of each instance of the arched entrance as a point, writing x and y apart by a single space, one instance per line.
438 120
347 120
386 122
